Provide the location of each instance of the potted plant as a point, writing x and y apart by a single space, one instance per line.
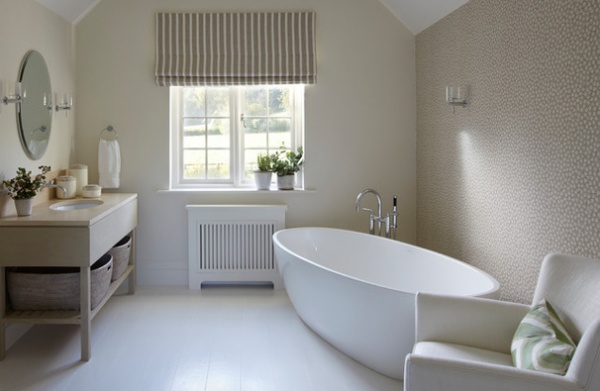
262 176
24 187
286 165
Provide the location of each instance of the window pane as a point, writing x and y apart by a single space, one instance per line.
279 101
280 132
250 164
219 133
194 100
255 101
194 164
218 102
280 125
255 125
255 140
218 164
194 133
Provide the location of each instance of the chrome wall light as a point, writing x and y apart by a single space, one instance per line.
48 102
64 102
15 96
456 96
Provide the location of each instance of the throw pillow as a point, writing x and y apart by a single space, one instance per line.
541 342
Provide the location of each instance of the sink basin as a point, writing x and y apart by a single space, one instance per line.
76 205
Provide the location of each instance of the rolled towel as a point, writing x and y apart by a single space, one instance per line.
109 163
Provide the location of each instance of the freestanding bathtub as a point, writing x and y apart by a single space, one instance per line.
357 291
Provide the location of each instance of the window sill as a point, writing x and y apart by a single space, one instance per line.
237 190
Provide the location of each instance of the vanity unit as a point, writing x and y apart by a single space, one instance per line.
66 233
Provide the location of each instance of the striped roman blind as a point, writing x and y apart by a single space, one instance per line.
195 49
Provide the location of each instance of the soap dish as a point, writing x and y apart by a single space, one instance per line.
91 191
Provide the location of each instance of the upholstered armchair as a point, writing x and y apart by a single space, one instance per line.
464 343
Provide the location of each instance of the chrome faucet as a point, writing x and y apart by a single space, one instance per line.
372 217
48 184
390 228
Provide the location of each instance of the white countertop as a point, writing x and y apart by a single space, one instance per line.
43 216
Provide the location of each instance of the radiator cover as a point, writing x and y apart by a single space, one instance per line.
233 243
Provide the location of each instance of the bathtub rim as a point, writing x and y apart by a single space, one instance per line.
493 292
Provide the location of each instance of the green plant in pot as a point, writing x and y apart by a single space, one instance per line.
264 163
262 176
285 165
24 187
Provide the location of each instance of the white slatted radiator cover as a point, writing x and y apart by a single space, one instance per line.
233 243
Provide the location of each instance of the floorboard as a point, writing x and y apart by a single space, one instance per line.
171 338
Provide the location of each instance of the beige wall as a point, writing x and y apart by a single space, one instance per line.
516 174
25 25
360 119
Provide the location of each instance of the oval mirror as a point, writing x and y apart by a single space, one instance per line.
34 113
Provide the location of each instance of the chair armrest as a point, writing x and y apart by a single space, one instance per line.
470 321
585 366
433 374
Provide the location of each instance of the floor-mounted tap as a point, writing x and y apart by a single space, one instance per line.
372 217
390 220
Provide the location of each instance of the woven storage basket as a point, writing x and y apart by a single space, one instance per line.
120 253
56 288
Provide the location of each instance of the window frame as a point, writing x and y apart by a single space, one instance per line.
237 179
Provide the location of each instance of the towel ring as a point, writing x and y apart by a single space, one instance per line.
109 130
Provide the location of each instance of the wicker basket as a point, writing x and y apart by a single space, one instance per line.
56 288
120 253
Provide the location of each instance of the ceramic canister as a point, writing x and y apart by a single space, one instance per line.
80 172
69 183
92 191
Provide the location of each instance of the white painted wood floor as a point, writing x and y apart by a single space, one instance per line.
246 339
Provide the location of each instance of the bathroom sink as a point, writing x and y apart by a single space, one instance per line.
75 205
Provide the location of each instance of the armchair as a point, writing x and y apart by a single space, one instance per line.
463 343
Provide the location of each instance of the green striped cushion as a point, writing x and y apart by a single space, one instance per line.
541 342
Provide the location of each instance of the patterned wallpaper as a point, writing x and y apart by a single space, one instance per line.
516 174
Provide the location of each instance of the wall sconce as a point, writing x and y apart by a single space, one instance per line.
15 96
455 96
48 102
64 102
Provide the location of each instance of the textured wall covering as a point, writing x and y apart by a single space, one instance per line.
516 174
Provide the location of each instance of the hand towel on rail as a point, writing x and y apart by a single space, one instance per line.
109 163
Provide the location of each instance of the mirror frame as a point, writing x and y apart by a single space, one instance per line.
34 112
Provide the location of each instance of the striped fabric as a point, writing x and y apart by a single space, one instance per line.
235 48
541 342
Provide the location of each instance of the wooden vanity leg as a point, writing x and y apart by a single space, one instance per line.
2 312
86 321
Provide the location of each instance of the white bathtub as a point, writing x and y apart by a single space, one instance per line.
357 291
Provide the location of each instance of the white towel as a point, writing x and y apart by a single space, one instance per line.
109 163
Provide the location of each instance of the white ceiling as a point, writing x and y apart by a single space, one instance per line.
71 10
416 15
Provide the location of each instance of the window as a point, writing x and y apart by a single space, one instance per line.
218 132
